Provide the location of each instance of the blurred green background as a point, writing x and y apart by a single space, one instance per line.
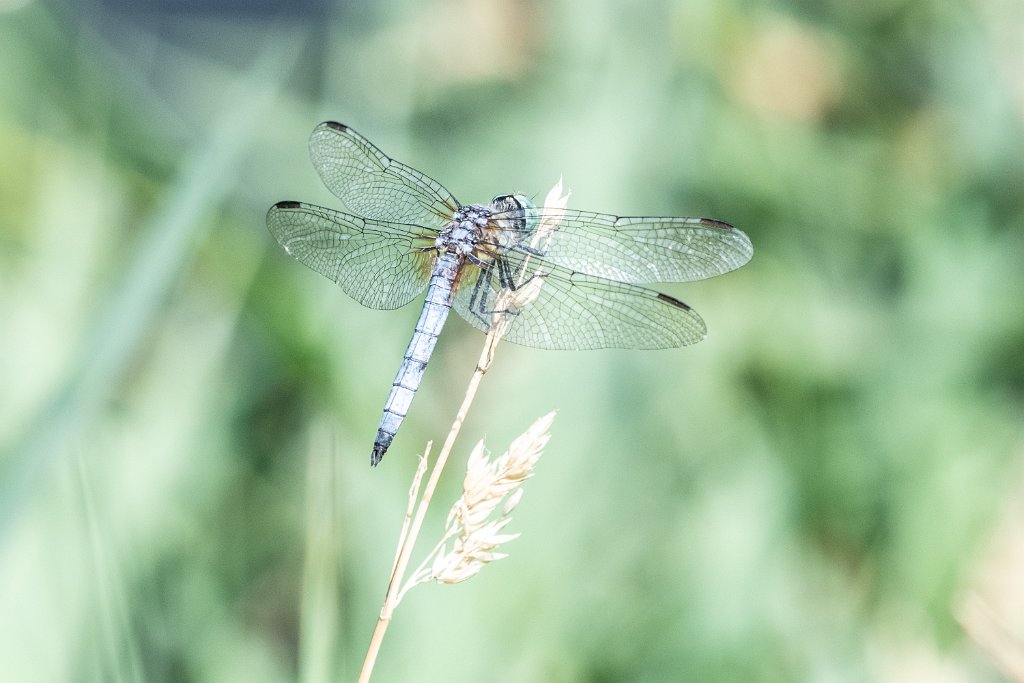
826 489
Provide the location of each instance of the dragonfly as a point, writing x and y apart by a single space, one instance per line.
552 278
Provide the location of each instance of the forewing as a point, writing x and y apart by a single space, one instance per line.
376 262
642 249
373 185
556 308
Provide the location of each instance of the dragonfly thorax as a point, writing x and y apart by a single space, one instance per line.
464 231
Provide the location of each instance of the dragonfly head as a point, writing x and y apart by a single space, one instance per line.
517 209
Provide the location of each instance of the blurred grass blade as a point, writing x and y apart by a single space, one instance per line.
164 246
319 629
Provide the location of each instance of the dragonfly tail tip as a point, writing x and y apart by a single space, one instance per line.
379 449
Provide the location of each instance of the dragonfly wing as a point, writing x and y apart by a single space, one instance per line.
642 249
555 308
373 185
376 262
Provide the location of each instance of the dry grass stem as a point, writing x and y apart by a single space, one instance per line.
414 494
410 531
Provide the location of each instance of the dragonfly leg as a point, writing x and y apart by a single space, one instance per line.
478 300
506 281
507 278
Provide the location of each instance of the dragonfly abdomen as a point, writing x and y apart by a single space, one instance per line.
417 354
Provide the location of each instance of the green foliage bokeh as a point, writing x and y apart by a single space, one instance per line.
187 413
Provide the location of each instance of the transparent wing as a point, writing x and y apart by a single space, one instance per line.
560 309
373 185
375 262
642 249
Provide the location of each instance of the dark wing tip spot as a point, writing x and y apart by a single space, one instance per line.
672 301
336 126
287 205
715 223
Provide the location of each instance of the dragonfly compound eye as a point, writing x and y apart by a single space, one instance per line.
502 203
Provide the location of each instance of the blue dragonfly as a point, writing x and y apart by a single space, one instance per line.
552 278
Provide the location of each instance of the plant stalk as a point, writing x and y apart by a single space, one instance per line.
394 591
